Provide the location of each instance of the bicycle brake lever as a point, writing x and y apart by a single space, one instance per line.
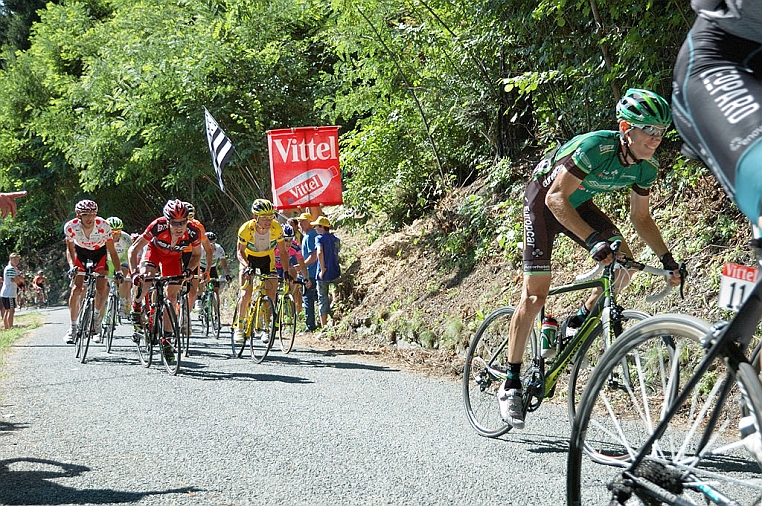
683 275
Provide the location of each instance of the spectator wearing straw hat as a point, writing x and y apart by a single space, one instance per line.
328 246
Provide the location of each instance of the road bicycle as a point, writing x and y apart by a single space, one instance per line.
210 308
41 296
260 323
287 316
86 315
487 359
673 412
111 316
154 330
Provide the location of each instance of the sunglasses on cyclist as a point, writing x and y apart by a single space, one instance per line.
267 216
178 223
653 130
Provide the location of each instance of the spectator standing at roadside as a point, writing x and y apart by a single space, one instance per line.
11 276
328 246
309 253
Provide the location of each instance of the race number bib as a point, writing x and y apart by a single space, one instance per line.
736 284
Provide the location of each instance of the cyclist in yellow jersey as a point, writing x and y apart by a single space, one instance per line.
258 239
206 245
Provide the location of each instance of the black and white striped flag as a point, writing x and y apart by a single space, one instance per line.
219 146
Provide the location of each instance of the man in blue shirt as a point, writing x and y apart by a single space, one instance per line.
329 270
309 252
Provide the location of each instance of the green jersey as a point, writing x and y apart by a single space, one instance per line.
593 157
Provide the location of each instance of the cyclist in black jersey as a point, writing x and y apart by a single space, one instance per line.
716 96
558 199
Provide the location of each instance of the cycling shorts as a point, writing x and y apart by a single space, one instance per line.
716 97
186 256
168 263
97 256
266 264
541 228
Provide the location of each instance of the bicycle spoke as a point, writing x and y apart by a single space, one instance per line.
633 389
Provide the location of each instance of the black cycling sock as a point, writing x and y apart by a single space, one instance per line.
578 318
513 374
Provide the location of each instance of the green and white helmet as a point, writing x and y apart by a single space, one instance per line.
115 223
643 107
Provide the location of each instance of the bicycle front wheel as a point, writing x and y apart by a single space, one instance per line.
287 322
263 329
587 358
631 391
85 330
171 338
237 347
484 372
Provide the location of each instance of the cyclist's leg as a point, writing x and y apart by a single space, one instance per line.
717 109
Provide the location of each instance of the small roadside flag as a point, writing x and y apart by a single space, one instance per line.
220 146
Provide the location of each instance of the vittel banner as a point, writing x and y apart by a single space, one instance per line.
304 166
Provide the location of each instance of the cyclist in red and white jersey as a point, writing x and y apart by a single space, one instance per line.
88 237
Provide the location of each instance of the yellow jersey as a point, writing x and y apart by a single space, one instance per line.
260 245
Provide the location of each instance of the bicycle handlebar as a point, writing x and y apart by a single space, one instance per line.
624 262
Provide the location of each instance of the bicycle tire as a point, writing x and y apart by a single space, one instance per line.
109 322
237 348
184 324
587 358
145 339
628 394
203 315
263 326
484 372
85 330
170 344
215 316
286 322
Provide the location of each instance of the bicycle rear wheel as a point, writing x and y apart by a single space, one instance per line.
287 322
263 329
484 372
184 324
586 360
631 390
216 324
145 339
171 338
109 321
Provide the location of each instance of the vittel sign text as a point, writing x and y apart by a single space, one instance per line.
304 166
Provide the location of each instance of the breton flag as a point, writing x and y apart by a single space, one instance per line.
219 146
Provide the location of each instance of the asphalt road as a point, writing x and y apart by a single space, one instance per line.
312 427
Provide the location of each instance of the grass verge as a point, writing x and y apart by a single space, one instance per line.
21 326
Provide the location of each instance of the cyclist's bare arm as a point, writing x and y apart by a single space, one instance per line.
557 201
133 253
640 215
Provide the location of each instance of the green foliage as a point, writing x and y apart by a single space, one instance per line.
105 98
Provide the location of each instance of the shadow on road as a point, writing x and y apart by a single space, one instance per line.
10 427
28 481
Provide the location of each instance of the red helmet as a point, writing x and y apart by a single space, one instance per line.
86 206
175 210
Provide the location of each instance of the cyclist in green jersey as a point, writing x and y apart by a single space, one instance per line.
558 199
